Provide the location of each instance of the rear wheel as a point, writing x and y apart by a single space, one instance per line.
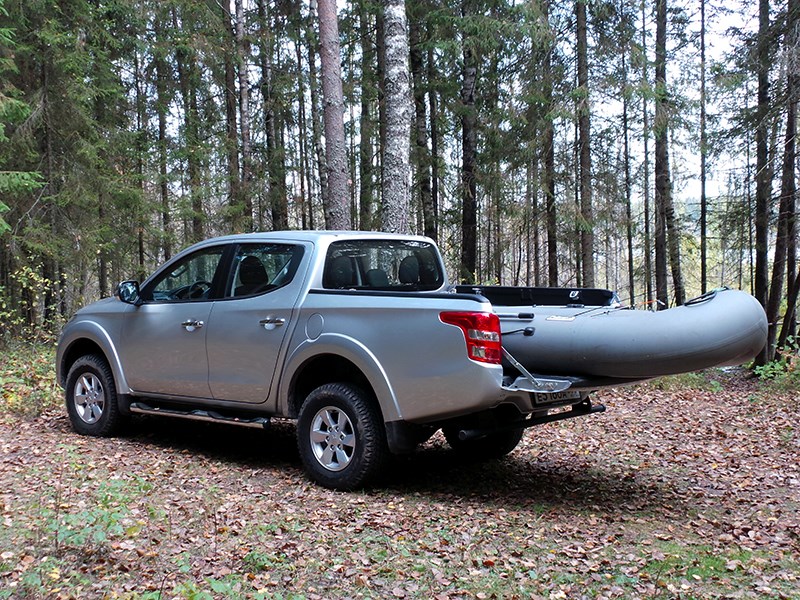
492 446
341 436
92 398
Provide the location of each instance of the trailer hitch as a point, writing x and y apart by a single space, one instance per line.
578 410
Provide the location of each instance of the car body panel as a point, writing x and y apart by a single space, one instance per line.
246 341
100 325
161 355
418 362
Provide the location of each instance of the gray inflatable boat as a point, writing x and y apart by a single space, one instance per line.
588 334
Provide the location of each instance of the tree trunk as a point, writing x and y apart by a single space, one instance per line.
586 218
337 209
549 167
102 256
469 148
366 122
674 247
382 118
141 116
422 155
231 127
762 173
50 190
627 167
276 165
162 105
789 319
306 212
534 226
434 121
576 189
313 90
242 52
648 262
662 159
788 191
188 76
791 302
703 152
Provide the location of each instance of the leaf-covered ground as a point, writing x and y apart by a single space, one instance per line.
672 493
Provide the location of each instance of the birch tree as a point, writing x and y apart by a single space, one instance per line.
396 158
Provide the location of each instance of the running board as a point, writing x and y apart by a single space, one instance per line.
578 410
208 416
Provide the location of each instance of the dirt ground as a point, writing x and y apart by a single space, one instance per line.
673 492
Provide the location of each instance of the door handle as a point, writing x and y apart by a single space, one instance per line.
271 322
192 324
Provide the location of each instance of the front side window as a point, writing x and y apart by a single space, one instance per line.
190 279
388 265
259 268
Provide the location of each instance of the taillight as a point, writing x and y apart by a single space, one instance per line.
481 332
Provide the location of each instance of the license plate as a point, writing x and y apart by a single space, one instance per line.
556 397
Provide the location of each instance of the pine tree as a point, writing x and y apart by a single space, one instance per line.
337 212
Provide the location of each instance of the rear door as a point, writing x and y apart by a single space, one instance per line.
249 323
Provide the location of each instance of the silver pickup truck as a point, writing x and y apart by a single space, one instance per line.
357 336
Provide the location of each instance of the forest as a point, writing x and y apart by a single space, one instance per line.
646 146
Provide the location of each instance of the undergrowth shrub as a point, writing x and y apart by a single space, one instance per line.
27 379
784 371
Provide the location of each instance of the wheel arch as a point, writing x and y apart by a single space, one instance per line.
332 360
89 339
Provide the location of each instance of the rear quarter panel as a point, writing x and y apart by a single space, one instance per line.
417 365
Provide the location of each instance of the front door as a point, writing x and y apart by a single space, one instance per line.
163 348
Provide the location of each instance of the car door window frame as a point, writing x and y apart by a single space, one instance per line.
241 250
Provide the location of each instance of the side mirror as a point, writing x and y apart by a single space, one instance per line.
128 292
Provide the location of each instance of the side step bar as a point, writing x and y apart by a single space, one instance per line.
208 416
578 410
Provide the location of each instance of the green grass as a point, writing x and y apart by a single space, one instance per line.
708 380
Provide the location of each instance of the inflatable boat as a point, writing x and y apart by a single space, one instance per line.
588 336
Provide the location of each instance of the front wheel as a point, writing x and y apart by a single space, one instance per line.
341 436
491 446
92 398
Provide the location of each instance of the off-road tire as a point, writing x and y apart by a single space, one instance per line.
91 397
341 436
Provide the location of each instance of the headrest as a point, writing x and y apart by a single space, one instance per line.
408 271
339 273
252 271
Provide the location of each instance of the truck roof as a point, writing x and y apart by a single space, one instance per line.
311 236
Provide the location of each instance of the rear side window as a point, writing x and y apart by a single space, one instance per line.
260 268
389 265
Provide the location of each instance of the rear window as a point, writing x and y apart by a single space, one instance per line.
389 265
